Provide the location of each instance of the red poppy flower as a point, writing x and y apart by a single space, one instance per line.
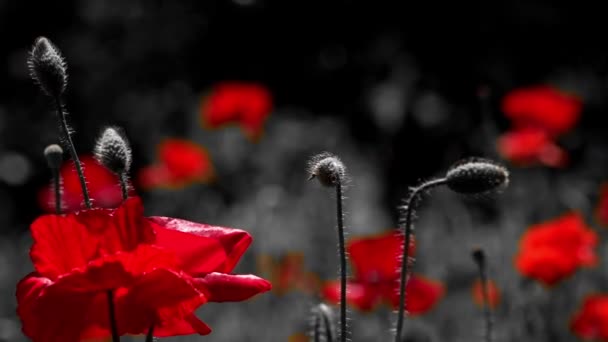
553 250
601 211
181 162
246 104
530 146
591 321
493 293
103 185
377 274
288 273
160 270
542 107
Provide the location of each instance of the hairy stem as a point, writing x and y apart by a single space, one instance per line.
124 186
70 145
342 260
487 315
57 191
405 260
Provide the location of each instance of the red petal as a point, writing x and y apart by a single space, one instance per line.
376 259
493 294
422 294
591 321
601 211
187 326
61 244
201 248
360 296
221 287
545 264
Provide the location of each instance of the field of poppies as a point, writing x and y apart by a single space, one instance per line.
177 171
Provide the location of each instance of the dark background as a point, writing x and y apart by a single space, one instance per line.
393 88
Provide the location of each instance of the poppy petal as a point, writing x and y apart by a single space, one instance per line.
360 296
376 259
201 248
221 287
186 326
422 294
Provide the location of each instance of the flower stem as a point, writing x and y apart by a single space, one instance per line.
150 335
343 272
57 191
124 186
486 303
113 328
68 142
405 260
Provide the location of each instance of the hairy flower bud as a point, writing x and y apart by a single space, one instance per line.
54 156
47 67
327 168
112 150
476 176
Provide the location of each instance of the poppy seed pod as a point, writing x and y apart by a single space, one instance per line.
47 67
476 176
327 168
112 150
54 156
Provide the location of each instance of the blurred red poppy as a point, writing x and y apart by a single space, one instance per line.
180 163
288 273
591 321
376 277
103 186
159 270
539 114
601 212
493 293
246 104
544 107
530 146
554 250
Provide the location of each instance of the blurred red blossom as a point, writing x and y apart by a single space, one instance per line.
180 163
242 103
288 273
601 212
493 293
539 114
376 277
553 250
591 321
159 270
103 185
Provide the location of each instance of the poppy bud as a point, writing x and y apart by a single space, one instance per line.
327 168
476 176
54 156
323 323
112 150
479 256
47 67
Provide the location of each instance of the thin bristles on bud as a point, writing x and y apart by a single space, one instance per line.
112 150
330 171
480 259
406 225
477 176
47 67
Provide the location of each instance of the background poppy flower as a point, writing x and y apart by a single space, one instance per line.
601 211
591 321
543 107
376 277
553 250
288 273
246 104
529 146
493 293
103 186
79 257
180 163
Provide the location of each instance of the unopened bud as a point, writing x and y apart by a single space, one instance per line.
54 156
479 256
47 67
112 150
327 168
477 176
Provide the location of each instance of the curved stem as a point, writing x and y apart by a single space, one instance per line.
124 186
113 328
405 260
57 191
68 142
342 260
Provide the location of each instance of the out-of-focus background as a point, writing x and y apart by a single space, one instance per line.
399 92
